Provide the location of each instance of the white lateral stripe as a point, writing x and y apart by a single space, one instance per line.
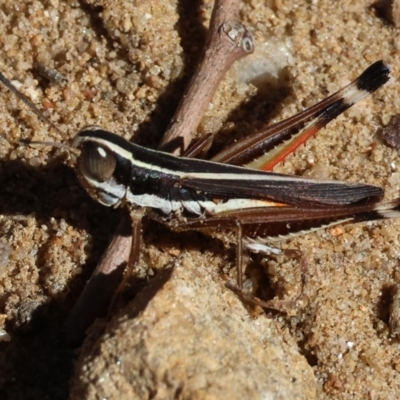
192 206
153 201
234 204
261 248
167 206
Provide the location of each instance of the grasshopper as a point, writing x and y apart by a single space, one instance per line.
261 207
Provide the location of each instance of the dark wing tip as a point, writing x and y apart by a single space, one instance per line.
373 77
365 194
338 193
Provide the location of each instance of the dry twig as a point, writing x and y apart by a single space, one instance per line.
227 42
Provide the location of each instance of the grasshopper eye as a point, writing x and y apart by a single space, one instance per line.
97 162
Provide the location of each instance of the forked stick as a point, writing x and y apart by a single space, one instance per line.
227 42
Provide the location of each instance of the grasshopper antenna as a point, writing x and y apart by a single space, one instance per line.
27 102
41 116
62 146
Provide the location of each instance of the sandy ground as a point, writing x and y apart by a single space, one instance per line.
126 65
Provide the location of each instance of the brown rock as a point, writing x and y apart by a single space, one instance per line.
190 338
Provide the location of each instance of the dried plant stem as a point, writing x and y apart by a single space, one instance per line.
101 287
227 42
